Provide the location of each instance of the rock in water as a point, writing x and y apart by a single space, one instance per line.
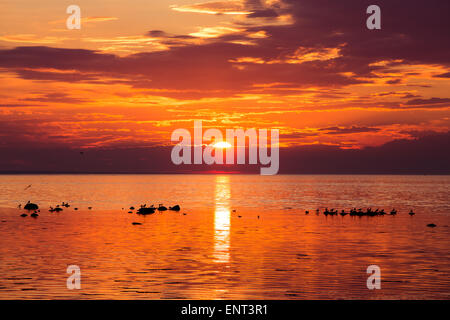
175 208
431 225
145 210
31 206
161 208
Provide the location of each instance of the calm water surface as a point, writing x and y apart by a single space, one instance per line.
213 252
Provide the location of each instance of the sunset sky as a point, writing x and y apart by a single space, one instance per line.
137 70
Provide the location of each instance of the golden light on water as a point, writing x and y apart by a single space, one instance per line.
222 220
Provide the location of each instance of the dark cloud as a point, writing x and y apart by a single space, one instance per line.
18 105
413 32
56 58
265 13
430 101
183 68
56 76
425 155
156 33
56 97
395 81
410 96
353 129
443 75
419 134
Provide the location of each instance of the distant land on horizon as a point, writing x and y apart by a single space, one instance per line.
428 154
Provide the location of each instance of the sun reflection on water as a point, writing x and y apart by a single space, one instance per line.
222 220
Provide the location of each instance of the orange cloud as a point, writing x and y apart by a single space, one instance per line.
233 7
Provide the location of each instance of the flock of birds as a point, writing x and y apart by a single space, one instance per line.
143 210
146 210
358 212
35 208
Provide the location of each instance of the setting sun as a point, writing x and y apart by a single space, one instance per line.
222 144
